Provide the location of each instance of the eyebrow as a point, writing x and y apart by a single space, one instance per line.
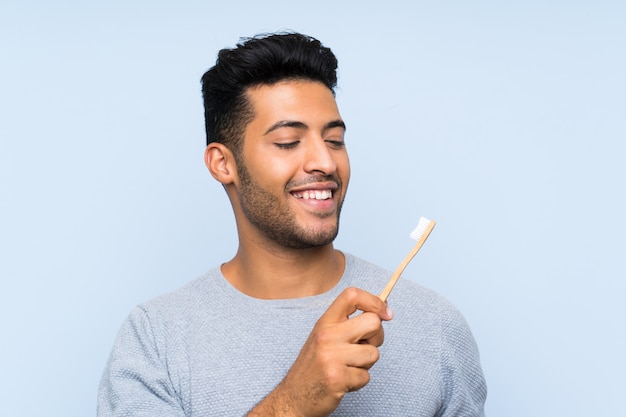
300 125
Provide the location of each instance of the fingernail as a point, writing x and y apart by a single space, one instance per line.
389 313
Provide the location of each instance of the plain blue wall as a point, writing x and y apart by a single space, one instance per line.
504 122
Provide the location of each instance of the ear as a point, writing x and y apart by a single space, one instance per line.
220 162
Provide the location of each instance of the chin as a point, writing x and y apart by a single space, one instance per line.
320 238
306 239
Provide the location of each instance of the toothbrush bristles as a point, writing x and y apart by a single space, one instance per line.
420 229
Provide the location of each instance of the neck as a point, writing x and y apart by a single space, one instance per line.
270 273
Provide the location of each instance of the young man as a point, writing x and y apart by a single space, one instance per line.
290 326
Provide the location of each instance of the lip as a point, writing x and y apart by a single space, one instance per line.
315 186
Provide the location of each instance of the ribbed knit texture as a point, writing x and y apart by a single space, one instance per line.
209 350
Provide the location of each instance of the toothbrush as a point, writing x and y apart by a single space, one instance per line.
421 232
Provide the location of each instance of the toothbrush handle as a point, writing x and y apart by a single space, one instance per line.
396 275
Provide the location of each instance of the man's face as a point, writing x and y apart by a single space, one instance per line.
295 170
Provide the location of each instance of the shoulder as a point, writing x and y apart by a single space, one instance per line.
427 333
194 291
181 304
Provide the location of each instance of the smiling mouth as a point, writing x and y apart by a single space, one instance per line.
313 194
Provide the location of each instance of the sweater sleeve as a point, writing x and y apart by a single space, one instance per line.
464 388
136 381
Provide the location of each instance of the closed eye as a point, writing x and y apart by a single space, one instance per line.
287 145
336 144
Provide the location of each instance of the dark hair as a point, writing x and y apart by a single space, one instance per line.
260 60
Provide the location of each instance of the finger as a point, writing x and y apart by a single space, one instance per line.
363 327
367 328
356 378
353 299
361 356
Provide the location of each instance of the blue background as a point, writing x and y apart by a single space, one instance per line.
504 121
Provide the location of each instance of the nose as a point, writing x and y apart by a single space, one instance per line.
319 158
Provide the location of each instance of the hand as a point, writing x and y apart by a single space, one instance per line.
334 360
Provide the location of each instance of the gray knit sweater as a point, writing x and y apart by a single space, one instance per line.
209 350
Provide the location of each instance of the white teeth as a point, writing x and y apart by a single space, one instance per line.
316 194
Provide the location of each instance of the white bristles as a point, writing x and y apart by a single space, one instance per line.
420 229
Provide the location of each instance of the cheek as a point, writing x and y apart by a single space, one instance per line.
272 173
